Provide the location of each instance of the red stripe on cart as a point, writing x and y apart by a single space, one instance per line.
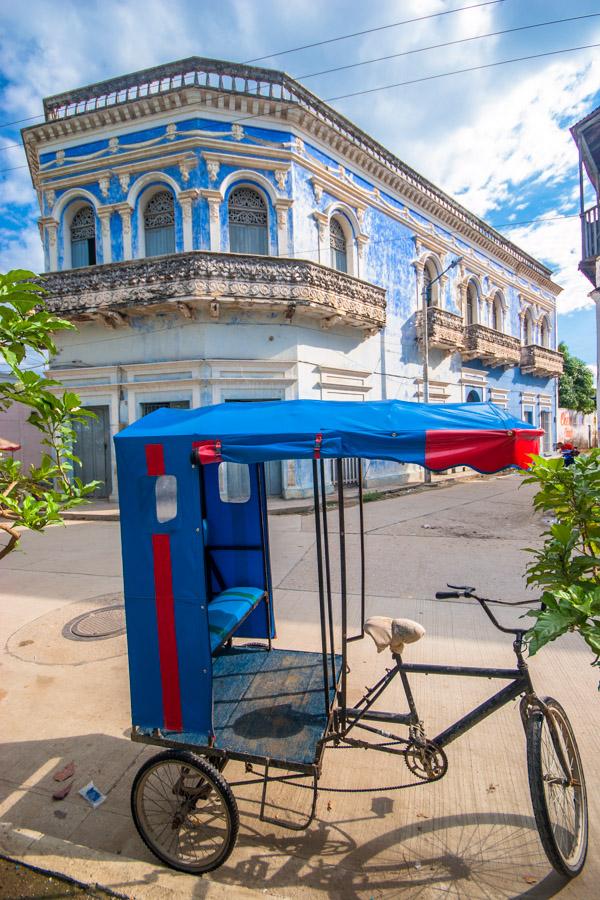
155 459
167 640
486 451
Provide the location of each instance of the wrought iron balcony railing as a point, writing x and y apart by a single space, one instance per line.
538 360
493 347
201 281
444 329
591 232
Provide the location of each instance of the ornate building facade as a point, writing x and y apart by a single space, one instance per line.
218 233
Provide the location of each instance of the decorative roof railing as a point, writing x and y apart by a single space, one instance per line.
268 84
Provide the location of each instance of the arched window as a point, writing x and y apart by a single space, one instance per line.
497 313
471 304
527 335
473 396
83 238
544 332
337 242
248 222
159 224
431 287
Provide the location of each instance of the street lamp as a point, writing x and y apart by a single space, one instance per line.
426 296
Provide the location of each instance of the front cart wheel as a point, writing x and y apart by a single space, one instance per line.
557 787
184 811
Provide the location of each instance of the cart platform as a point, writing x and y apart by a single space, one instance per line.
266 705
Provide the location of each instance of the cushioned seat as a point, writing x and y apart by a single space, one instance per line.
227 610
393 633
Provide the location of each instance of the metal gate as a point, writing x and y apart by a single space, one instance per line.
350 471
92 446
546 424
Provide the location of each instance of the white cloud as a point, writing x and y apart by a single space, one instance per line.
21 250
558 243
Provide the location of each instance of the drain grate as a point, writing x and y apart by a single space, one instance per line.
107 622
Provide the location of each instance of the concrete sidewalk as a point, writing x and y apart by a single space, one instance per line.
470 835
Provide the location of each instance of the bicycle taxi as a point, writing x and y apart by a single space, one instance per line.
207 684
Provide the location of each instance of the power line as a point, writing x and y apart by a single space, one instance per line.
341 37
385 87
408 52
344 37
502 62
477 37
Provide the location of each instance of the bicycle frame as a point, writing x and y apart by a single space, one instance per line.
358 716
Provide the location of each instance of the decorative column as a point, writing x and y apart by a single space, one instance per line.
214 200
125 211
104 215
361 242
186 199
49 226
323 236
282 207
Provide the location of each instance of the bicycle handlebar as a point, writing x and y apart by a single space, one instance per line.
469 593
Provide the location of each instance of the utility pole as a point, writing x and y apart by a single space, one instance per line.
426 301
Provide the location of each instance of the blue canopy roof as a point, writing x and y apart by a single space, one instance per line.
435 435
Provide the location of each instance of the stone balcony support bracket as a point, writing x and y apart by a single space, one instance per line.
493 348
444 329
542 361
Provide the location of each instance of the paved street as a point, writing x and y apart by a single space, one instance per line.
471 835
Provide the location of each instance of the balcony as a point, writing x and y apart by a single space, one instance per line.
199 282
444 329
492 347
590 235
536 360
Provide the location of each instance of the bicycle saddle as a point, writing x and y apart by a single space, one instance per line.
393 633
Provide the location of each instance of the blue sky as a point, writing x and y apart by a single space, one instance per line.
496 138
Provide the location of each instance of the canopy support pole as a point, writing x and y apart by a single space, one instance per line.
361 517
262 499
328 574
321 588
343 594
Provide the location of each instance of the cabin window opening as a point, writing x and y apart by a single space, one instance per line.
165 491
234 482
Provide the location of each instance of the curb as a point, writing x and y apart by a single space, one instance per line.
110 872
384 494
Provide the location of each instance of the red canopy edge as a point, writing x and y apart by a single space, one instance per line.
485 451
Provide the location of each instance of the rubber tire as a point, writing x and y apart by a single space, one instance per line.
186 757
533 732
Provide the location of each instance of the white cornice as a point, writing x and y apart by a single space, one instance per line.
415 191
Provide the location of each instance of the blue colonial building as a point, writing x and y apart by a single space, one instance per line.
218 233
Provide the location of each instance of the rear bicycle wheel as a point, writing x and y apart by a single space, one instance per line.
184 811
557 787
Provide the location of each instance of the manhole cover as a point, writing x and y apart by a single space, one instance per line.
107 622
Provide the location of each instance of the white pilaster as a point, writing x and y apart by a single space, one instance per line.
186 199
125 211
282 207
214 200
104 216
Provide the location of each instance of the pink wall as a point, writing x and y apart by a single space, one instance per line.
14 427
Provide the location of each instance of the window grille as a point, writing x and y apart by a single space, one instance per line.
248 222
337 242
83 238
159 224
